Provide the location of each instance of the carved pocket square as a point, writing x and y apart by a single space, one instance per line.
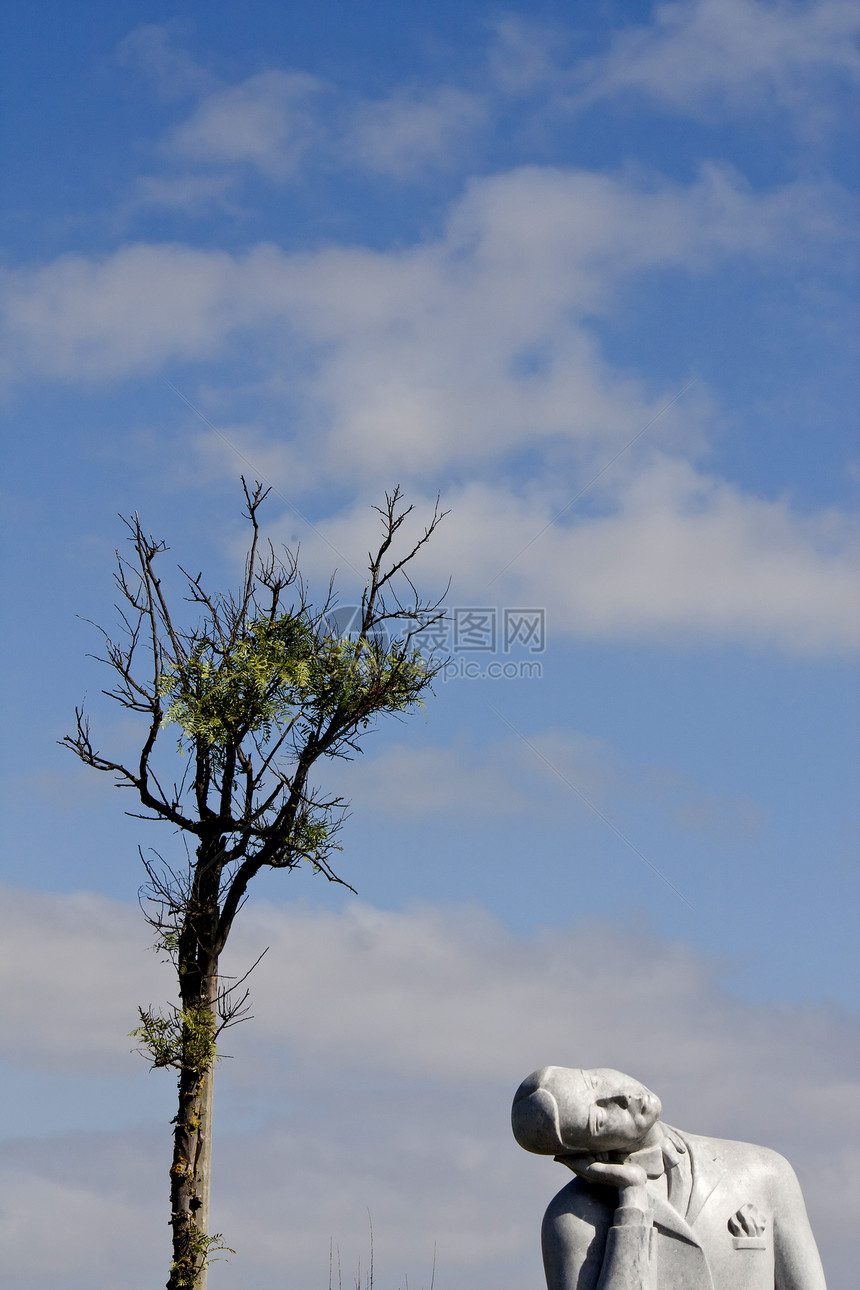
747 1227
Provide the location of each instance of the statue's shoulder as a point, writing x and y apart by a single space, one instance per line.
581 1202
738 1157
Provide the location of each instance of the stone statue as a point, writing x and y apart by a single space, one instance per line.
652 1208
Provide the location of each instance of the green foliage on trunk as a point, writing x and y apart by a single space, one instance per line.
181 1037
186 1270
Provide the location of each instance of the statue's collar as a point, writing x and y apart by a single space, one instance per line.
663 1153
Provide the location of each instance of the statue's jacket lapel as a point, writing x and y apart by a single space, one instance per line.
708 1169
682 1262
718 1191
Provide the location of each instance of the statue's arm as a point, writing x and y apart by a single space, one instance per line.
797 1262
581 1253
627 1261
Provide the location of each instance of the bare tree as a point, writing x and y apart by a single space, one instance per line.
261 687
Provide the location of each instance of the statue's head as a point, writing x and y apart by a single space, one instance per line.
562 1111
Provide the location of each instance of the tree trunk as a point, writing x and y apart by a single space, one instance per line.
204 1159
192 1146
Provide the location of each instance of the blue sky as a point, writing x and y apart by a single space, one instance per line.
590 273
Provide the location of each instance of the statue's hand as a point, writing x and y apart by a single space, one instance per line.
631 1180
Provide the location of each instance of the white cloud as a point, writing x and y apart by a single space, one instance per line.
264 122
673 555
525 56
466 344
268 121
714 54
407 782
455 353
109 317
173 72
83 962
180 192
378 1073
694 56
503 777
406 134
509 775
465 348
51 1230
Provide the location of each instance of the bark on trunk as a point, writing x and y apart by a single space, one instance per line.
192 1152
